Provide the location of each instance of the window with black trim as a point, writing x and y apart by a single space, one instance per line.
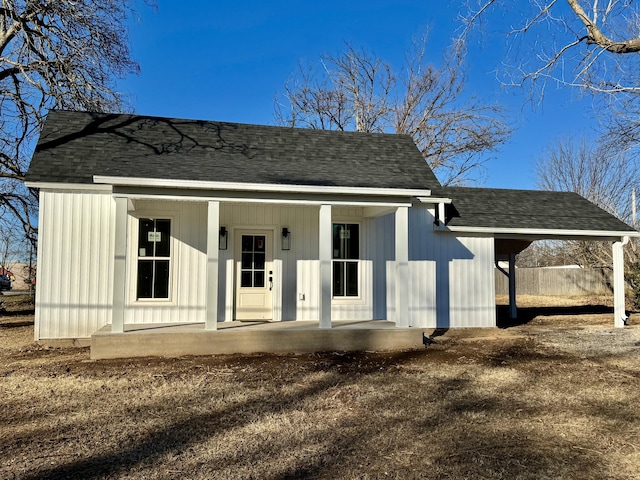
346 253
154 258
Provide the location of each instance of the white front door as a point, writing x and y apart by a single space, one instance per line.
254 275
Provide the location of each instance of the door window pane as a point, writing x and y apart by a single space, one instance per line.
247 243
247 260
252 265
258 259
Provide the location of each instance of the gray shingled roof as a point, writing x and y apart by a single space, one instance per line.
75 146
527 209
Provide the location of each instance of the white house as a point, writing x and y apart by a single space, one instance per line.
156 220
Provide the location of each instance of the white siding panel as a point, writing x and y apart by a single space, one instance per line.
228 290
308 288
277 290
391 290
454 273
422 298
380 249
75 253
472 285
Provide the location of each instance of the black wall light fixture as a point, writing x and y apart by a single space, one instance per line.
224 235
286 239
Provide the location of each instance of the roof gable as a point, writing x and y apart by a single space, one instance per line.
75 146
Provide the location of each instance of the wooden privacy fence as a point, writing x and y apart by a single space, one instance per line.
557 281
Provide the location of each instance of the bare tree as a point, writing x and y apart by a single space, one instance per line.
589 44
546 253
53 54
601 175
359 91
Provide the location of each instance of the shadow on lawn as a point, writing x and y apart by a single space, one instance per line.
28 323
527 314
351 446
199 428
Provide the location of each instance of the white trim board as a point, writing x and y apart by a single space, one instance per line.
257 187
502 232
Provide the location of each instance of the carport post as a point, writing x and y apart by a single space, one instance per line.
619 314
513 308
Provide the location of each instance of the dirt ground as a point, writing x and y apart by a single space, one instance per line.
554 395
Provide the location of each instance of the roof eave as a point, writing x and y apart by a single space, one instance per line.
539 233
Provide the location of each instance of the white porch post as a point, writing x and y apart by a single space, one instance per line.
325 241
619 314
119 266
213 241
402 267
513 306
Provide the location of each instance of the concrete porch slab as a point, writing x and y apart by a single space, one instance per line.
174 340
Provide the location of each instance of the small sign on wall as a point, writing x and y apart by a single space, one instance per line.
154 236
345 234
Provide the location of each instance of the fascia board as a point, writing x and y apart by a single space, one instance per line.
434 200
257 187
530 232
69 187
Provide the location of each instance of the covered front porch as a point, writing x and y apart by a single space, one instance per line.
179 339
258 256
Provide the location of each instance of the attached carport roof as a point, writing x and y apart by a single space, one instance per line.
515 218
529 214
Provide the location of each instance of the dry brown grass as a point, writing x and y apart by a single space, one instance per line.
547 399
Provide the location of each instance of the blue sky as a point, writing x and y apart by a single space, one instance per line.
227 60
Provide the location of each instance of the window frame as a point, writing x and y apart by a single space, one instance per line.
135 257
357 261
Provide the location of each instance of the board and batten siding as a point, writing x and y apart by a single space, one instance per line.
75 263
451 282
451 278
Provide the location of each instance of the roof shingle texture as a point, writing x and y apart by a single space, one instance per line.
75 146
528 209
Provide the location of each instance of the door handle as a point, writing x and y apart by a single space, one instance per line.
270 283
